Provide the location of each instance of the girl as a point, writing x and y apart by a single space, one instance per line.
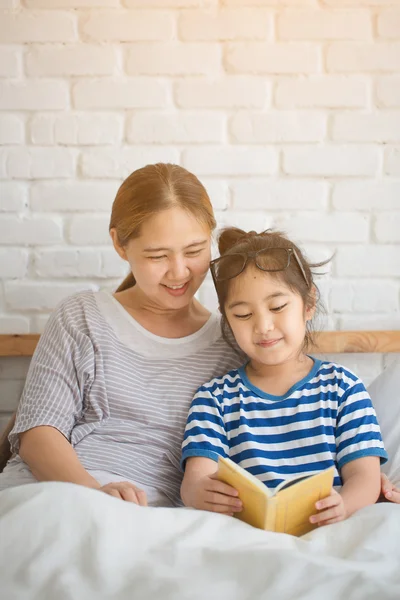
283 413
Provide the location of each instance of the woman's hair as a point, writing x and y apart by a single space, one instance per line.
153 189
233 240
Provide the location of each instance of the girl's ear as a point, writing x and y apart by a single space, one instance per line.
312 305
119 249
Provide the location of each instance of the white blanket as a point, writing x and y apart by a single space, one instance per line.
60 541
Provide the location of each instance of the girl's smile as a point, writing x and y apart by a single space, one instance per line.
268 343
267 318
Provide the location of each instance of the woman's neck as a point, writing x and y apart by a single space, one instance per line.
165 322
279 378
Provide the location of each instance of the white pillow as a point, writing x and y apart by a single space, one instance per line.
385 395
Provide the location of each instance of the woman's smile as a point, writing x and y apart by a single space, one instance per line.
176 290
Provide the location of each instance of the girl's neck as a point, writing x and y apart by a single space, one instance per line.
279 378
165 322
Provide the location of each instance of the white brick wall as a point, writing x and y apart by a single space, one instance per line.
65 60
34 95
273 58
77 129
392 161
313 24
175 128
226 24
120 94
288 110
37 26
226 92
127 26
388 91
325 91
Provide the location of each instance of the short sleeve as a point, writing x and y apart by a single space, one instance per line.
205 433
357 429
60 371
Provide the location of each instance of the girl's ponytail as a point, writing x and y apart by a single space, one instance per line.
230 236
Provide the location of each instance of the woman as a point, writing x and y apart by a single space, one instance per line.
111 381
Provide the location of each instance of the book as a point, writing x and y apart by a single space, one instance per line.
285 509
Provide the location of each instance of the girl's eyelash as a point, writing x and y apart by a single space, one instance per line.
278 308
156 257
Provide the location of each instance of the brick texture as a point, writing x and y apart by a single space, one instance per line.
287 110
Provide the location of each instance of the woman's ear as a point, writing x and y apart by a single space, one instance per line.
119 249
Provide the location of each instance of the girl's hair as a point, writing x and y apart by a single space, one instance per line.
150 190
233 240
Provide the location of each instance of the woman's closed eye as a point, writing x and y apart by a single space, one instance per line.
192 253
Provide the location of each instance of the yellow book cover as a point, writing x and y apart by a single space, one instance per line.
287 508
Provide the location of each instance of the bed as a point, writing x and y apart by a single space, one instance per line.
61 541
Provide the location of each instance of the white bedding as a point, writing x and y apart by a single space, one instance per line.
60 541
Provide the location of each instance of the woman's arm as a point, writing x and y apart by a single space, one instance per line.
389 491
51 457
59 377
5 449
201 488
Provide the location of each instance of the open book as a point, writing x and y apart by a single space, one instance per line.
287 508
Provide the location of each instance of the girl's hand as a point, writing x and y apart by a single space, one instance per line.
208 493
332 510
125 491
389 491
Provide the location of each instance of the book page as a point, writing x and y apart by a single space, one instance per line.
252 492
296 503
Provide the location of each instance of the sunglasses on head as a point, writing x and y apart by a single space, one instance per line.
268 259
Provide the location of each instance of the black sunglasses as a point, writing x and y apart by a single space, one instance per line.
268 259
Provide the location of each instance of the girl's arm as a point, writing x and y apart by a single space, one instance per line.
361 483
201 488
361 487
51 457
357 433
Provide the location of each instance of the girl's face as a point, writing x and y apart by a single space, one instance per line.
268 319
170 258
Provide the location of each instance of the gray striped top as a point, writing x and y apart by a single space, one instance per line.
119 393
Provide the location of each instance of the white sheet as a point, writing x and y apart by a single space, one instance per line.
60 541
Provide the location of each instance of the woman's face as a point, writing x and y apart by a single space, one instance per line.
170 258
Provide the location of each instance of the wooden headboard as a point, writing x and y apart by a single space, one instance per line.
327 342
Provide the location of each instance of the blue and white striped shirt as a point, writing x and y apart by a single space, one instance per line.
326 419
